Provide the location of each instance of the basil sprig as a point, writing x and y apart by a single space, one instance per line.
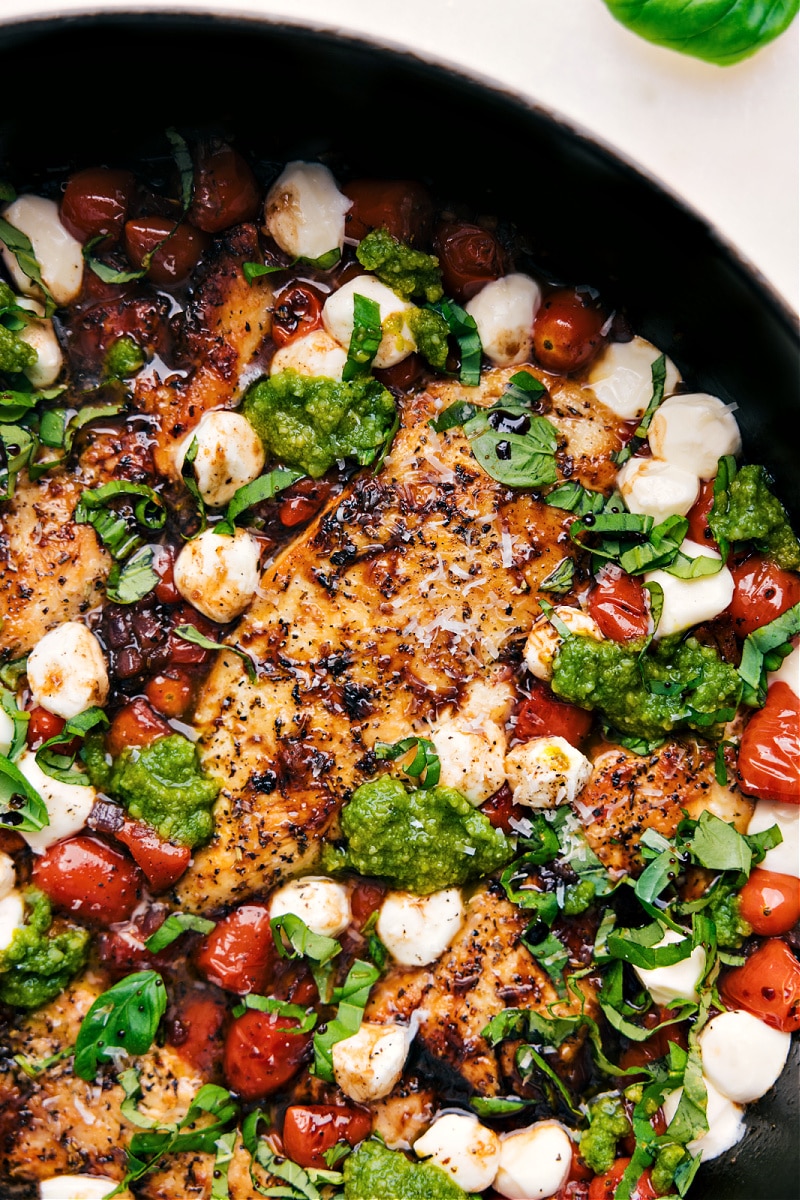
425 766
463 328
658 374
365 339
190 633
176 924
21 806
52 755
352 999
122 1020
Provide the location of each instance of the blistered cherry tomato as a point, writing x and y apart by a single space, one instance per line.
42 725
697 516
173 262
545 715
762 591
365 899
95 204
402 206
618 603
195 1032
769 754
770 902
501 811
225 190
302 501
86 877
162 862
297 311
135 725
262 1053
469 257
164 566
188 653
311 1129
170 693
603 1187
768 986
566 330
239 954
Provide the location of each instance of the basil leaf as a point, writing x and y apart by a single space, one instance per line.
518 460
454 415
222 1161
21 806
19 445
264 488
252 270
135 580
560 579
523 388
425 766
684 567
551 954
528 1058
268 1004
574 497
147 1149
130 1083
20 719
658 374
190 633
463 328
15 405
113 274
497 1106
352 998
122 1020
639 947
759 644
658 876
304 943
183 161
760 843
717 31
176 924
365 339
21 247
717 846
690 1120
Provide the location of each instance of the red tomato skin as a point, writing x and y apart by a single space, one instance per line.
769 754
225 190
164 566
183 653
162 862
618 603
196 1032
90 879
95 204
768 986
365 899
469 257
567 330
262 1053
171 693
544 715
42 725
303 500
173 262
697 516
403 206
603 1187
135 725
311 1129
770 902
762 591
500 810
239 954
296 312
640 1054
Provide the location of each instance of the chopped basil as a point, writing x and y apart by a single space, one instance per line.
770 638
560 579
19 717
183 161
147 1149
658 374
264 488
551 954
424 767
352 999
300 1183
59 765
33 1069
21 247
252 270
190 633
17 448
463 328
498 1106
190 483
365 339
716 845
21 806
454 415
122 1020
306 1017
304 943
135 580
130 1082
176 924
113 529
222 1160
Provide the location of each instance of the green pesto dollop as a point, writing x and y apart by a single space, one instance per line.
123 359
422 841
725 912
607 675
410 273
310 422
15 355
608 1123
430 332
668 1159
374 1171
749 511
39 963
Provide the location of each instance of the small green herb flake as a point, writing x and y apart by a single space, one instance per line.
463 328
365 339
424 767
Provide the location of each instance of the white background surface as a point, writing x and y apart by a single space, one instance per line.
726 139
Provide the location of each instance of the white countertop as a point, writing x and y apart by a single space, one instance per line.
725 139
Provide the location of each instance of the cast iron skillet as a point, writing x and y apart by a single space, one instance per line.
288 92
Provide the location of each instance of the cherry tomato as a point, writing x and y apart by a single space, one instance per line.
762 591
135 725
641 1054
297 311
164 566
545 715
770 902
311 1129
500 810
768 986
195 1032
95 204
170 693
603 1187
162 862
469 257
365 899
579 1172
769 754
42 725
302 501
262 1053
618 603
173 262
567 330
697 516
239 954
186 653
86 877
225 190
402 206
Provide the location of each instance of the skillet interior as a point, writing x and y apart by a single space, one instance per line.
292 92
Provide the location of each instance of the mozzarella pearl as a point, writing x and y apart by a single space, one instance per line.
416 930
678 981
688 602
68 804
742 1056
473 763
67 671
504 310
6 732
546 772
657 488
621 377
315 354
57 252
788 672
218 574
41 336
544 639
8 874
79 1187
367 1065
784 858
304 211
229 455
725 1123
12 917
693 432
465 1149
397 341
534 1162
322 903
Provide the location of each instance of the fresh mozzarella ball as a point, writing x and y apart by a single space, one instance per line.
12 917
229 455
694 432
304 211
322 903
679 980
725 1123
622 379
544 639
68 804
41 336
659 489
504 310
416 930
688 602
397 341
6 732
315 354
465 1149
7 874
487 701
785 858
67 671
57 252
472 763
788 672
218 574
534 1162
367 1065
546 772
79 1187
742 1056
